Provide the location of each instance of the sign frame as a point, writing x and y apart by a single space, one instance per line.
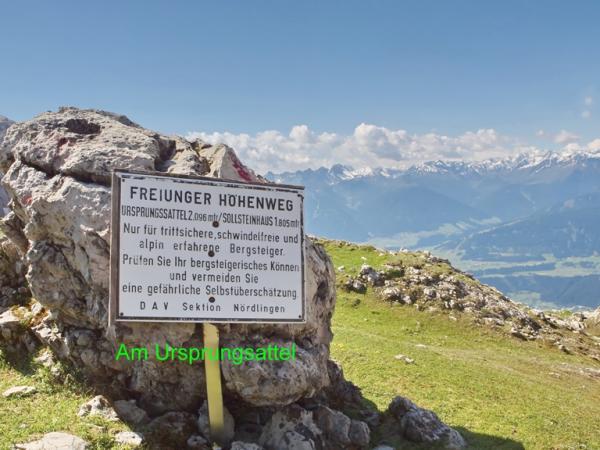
115 227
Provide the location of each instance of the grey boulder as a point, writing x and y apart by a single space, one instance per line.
98 406
130 438
340 431
291 428
421 425
130 413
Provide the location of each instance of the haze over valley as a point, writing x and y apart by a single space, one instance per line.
527 224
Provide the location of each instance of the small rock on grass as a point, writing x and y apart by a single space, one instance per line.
405 358
130 438
19 391
98 406
55 441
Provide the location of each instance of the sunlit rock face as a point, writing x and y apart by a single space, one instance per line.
57 170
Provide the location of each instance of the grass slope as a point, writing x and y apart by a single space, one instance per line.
53 407
500 392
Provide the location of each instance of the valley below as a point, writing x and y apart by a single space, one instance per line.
527 225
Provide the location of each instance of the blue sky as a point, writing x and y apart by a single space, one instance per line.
527 70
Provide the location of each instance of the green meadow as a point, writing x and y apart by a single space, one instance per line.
500 392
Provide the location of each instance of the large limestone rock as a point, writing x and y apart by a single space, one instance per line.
57 172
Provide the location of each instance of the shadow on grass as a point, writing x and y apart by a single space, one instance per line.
64 376
20 360
487 441
478 441
387 431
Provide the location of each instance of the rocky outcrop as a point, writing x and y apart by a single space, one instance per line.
57 172
58 168
423 281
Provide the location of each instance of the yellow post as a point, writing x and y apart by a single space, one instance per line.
213 383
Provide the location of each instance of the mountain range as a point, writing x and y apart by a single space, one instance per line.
529 224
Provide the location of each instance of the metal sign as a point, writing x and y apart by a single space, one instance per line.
205 250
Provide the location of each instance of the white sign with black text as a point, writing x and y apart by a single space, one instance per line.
205 250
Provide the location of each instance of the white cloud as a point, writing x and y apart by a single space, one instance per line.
586 114
375 146
565 137
588 101
368 145
594 145
575 147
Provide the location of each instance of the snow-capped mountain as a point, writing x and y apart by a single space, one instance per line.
495 212
519 165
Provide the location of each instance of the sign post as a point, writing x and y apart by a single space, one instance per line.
194 249
214 394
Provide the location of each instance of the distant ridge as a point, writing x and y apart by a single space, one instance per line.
526 224
528 163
